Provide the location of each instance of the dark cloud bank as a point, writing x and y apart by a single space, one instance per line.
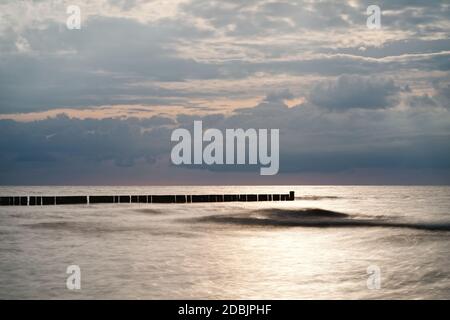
313 140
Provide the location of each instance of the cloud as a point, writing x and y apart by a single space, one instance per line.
279 96
422 101
442 89
120 57
125 4
351 92
311 141
382 107
108 61
62 138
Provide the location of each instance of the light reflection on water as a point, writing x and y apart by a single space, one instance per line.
157 251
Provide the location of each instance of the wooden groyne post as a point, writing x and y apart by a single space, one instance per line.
195 198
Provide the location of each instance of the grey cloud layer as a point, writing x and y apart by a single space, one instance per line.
370 99
116 60
349 92
104 63
310 141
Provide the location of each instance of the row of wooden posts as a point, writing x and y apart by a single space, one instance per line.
66 200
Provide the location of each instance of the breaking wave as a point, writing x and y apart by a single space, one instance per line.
318 218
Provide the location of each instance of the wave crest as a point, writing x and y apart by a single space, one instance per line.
316 218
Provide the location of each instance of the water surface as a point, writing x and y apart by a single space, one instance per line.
318 246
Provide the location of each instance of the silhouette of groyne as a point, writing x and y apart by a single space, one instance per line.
195 198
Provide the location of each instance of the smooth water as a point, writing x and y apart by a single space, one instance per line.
319 246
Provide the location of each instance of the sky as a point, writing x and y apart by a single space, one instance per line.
97 105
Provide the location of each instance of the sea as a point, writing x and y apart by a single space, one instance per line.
332 242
